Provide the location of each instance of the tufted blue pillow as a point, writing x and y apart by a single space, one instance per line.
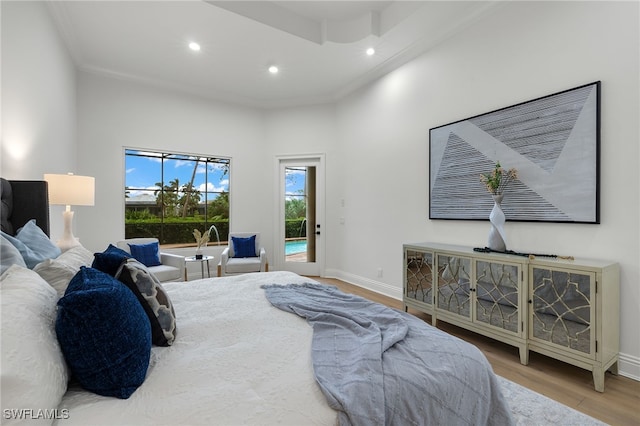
147 254
109 261
104 334
244 247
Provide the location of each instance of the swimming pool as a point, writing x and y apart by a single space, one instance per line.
295 246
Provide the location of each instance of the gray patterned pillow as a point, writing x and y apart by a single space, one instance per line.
153 298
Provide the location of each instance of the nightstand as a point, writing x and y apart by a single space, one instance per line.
203 260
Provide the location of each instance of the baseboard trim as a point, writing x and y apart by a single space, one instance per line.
367 283
628 366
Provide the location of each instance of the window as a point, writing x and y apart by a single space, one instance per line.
295 202
168 195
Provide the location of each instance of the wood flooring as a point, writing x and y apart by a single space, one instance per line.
569 385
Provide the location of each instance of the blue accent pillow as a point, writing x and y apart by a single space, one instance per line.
33 244
35 238
109 261
147 254
104 334
9 254
244 247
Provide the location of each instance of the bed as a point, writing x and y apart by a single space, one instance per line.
260 348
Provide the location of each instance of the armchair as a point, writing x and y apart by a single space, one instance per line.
172 268
231 263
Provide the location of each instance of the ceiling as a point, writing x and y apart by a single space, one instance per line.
318 46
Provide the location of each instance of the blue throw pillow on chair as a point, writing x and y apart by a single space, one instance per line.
244 247
147 254
109 261
104 334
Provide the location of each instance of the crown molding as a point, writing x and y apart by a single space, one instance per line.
63 24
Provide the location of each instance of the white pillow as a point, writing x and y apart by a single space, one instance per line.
59 271
33 372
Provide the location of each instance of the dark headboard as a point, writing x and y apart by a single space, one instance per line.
23 200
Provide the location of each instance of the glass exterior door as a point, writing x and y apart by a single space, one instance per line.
300 240
299 209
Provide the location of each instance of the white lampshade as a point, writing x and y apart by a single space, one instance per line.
71 190
68 190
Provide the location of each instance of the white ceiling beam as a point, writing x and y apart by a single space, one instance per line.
316 31
275 16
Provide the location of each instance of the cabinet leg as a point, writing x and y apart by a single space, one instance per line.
614 368
598 378
524 354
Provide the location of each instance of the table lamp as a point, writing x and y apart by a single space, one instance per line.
68 190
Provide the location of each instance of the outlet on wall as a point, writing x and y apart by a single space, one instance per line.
379 272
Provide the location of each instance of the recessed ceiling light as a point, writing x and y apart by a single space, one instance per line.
273 69
371 51
194 46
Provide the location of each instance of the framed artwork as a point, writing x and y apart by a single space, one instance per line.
554 144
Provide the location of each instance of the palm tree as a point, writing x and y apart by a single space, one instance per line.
188 190
167 197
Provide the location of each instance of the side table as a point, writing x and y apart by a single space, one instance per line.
205 259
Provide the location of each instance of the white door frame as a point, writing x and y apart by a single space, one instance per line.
278 259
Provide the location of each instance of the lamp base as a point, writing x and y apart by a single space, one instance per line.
65 245
68 240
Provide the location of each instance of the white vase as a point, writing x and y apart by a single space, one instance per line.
497 237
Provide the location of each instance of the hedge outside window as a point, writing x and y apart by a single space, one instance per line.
168 195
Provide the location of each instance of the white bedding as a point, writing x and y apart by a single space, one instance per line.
236 360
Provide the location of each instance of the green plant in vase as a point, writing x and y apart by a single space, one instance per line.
496 182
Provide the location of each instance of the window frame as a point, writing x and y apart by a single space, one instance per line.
176 230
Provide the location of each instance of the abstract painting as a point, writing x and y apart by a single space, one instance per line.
552 141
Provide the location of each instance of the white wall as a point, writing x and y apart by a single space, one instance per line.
114 114
523 51
301 131
38 99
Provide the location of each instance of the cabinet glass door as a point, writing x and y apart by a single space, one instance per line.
453 284
419 270
498 295
562 308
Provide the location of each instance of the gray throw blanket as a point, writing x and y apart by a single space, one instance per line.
380 366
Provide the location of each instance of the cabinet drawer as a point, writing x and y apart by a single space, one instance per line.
419 276
498 295
563 308
454 284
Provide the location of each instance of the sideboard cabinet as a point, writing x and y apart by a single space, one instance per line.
566 309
